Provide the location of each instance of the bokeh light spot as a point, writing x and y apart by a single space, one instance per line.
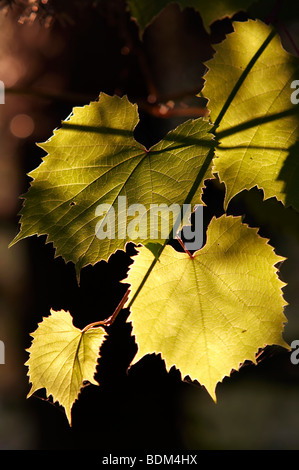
22 126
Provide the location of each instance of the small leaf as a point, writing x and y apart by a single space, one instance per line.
62 358
209 313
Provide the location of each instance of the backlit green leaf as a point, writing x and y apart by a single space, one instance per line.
94 159
259 130
208 314
62 357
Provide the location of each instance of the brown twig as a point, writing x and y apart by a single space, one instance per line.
289 36
109 321
165 111
184 248
271 18
50 95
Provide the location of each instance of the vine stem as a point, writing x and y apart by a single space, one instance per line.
242 78
109 321
289 36
184 248
65 97
160 110
210 155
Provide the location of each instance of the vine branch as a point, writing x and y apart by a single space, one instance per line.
110 320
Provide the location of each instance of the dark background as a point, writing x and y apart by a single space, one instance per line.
50 64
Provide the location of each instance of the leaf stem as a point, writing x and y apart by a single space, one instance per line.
147 273
184 248
188 200
156 110
242 78
112 318
289 36
49 95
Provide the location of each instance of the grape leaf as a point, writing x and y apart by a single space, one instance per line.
62 358
145 11
260 127
93 159
206 315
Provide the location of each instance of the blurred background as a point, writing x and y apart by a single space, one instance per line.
57 55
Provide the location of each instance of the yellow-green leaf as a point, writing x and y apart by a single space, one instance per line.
208 314
92 161
259 129
62 358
